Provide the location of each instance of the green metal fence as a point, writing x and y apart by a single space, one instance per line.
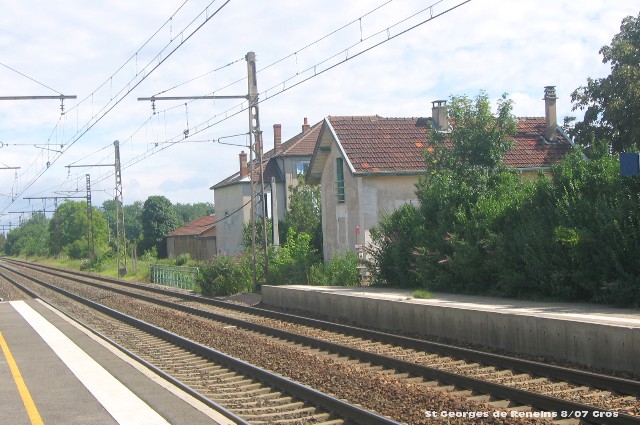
179 277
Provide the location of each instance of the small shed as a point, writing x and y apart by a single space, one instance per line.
196 238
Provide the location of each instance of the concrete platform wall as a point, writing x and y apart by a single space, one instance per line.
590 344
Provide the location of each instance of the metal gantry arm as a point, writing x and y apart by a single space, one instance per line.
255 147
61 97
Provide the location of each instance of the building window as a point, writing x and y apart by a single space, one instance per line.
264 207
302 167
340 179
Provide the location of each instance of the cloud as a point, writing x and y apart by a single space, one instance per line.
493 45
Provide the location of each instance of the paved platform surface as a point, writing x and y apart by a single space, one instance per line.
581 312
54 372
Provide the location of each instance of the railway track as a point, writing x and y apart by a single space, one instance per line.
520 388
242 392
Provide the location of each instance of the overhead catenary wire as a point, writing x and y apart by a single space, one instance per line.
122 93
206 125
238 109
30 78
287 83
284 58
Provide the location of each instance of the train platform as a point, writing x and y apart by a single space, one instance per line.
597 336
56 372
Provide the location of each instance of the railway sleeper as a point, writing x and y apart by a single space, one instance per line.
319 419
289 406
241 394
259 402
444 388
233 389
295 413
243 384
499 404
571 421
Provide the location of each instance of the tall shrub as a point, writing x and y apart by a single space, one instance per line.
226 275
393 246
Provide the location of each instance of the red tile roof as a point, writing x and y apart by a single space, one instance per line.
202 226
377 144
300 145
531 150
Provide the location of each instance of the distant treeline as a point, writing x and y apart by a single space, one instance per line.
66 232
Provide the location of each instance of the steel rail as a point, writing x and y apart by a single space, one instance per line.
220 409
354 413
596 380
539 401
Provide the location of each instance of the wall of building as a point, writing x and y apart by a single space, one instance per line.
288 166
197 247
347 224
381 195
230 223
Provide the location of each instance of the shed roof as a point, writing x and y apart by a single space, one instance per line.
201 226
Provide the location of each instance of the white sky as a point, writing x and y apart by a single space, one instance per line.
96 49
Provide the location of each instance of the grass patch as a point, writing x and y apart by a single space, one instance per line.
108 267
422 294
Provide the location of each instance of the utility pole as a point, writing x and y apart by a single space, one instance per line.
120 231
89 219
255 151
121 240
257 187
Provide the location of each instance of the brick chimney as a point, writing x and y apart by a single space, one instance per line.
244 171
277 138
305 127
551 133
439 115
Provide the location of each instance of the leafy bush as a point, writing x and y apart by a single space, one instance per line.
226 275
77 249
182 259
291 263
95 264
422 294
393 247
340 270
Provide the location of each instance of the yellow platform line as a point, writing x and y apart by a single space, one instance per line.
32 411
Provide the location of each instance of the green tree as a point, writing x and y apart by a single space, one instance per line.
394 242
478 139
132 220
465 189
189 212
30 239
611 104
292 262
158 220
68 230
305 212
247 233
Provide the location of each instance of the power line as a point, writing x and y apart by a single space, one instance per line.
197 129
292 81
201 76
238 109
132 84
359 19
32 79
